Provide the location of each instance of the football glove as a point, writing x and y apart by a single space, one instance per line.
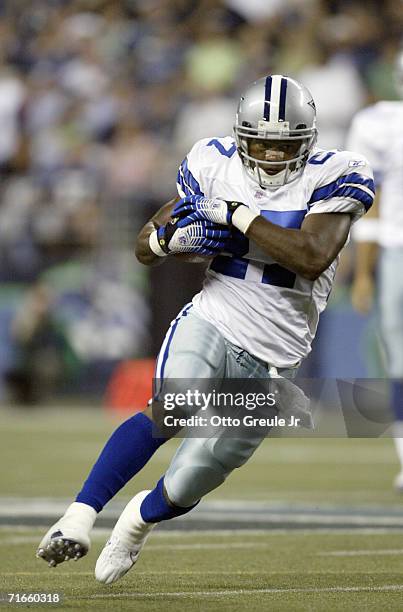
197 208
201 237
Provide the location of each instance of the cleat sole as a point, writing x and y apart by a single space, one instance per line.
60 550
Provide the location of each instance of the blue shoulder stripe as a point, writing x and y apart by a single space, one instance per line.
187 181
190 179
329 191
349 191
183 185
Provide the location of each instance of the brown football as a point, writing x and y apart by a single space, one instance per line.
193 258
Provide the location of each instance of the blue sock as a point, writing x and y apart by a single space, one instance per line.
127 451
155 508
397 399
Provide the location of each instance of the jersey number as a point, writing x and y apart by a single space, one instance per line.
273 273
217 144
320 158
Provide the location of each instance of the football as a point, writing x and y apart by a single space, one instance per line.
193 258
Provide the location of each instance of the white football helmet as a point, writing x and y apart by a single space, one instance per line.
275 108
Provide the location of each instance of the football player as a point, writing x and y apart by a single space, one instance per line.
273 211
377 132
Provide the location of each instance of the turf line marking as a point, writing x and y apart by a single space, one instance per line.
99 533
358 553
276 518
44 573
18 540
264 573
207 546
192 594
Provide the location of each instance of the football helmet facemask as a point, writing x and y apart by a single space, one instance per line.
275 108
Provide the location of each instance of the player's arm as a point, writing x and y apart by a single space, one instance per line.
307 251
366 255
195 242
142 247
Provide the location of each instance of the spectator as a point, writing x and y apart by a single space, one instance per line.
99 100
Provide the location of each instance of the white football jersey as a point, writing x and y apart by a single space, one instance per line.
377 133
257 304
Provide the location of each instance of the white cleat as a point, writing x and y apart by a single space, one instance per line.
127 539
398 483
69 537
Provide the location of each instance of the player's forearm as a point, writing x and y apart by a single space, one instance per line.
300 251
142 250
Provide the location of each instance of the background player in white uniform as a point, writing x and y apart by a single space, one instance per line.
274 212
377 132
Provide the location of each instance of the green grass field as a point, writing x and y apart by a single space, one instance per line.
246 571
47 454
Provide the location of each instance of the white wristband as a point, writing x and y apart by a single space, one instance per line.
243 217
154 245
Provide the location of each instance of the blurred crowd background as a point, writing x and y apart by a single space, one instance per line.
99 102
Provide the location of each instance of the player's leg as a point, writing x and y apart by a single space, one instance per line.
199 466
197 351
126 452
391 310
